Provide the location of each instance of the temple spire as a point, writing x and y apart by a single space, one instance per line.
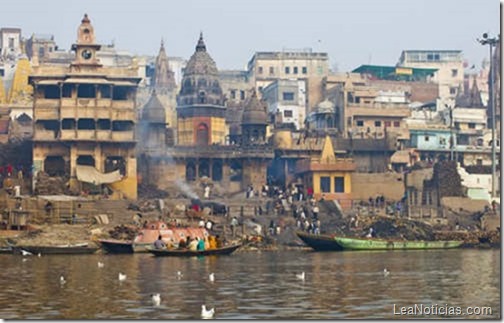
201 44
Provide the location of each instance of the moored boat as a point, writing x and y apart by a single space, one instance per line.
319 242
226 250
149 234
82 248
384 244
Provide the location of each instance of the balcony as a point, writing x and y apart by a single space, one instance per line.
47 103
46 113
67 134
124 114
42 134
123 104
103 103
123 135
103 135
86 134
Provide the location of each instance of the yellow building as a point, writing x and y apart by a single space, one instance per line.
84 121
328 176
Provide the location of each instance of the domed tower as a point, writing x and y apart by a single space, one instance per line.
200 103
86 48
254 121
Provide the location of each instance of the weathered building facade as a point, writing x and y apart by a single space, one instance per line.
84 121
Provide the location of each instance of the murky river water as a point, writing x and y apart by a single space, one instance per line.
250 285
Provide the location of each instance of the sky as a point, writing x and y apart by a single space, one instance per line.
352 32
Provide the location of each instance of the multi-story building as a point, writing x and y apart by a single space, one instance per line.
449 64
286 101
40 45
84 121
366 111
311 67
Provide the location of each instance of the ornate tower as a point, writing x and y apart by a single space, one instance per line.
254 121
200 103
85 48
163 80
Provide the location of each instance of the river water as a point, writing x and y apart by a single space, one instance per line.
251 285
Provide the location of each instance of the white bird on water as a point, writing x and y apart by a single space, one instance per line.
100 264
211 277
301 276
386 272
207 314
62 280
39 254
26 253
122 277
156 299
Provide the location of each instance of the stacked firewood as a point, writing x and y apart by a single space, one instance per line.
123 232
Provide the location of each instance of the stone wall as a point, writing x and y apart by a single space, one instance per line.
365 185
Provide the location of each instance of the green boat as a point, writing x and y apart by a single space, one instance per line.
381 244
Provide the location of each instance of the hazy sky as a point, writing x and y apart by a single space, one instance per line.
352 32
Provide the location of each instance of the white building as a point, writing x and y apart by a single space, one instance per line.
10 43
286 100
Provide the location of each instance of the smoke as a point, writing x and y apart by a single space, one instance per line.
149 143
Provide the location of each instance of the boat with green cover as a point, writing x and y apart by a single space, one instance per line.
383 244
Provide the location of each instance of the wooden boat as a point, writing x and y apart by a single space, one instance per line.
383 244
146 237
226 250
319 242
70 249
117 246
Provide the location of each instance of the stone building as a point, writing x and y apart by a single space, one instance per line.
84 121
203 149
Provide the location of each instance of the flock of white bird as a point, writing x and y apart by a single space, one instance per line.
156 298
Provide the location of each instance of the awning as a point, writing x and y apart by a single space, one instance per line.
400 157
89 174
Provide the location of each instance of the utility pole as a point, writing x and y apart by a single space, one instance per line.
491 42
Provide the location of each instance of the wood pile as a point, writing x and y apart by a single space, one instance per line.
123 232
445 179
47 185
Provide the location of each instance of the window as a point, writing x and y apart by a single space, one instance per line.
359 123
260 70
453 90
339 184
288 113
288 96
295 70
426 138
233 94
242 95
11 42
272 70
2 72
377 123
397 124
325 184
442 141
287 70
472 125
454 72
304 70
387 124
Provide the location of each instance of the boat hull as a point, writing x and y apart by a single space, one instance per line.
193 253
56 250
378 244
117 246
319 242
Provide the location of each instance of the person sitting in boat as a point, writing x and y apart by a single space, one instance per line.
218 241
159 243
193 245
182 244
212 243
370 233
201 244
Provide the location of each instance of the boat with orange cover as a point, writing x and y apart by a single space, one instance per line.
149 233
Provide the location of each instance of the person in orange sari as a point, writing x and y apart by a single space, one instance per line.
212 243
